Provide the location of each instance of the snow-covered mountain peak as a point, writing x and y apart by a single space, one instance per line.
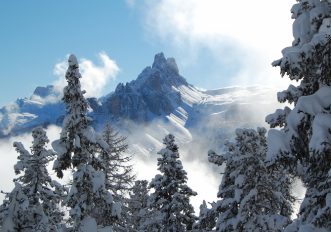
159 93
42 108
164 71
155 92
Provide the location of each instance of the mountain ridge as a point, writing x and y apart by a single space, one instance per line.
151 95
159 99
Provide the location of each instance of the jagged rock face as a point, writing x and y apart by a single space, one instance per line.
152 94
95 105
126 102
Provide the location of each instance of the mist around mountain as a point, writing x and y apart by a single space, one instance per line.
159 98
160 101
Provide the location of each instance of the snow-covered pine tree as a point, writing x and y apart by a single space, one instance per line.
118 173
137 205
226 210
78 147
302 144
265 197
34 204
252 197
207 218
13 211
170 203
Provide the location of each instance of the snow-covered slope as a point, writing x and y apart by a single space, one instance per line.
158 102
204 120
154 93
42 108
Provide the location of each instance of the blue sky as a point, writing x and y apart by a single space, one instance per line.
216 43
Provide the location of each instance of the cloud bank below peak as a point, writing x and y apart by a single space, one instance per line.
94 76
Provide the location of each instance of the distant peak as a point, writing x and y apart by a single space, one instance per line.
159 60
161 63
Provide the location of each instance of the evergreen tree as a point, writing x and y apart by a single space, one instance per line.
118 173
253 198
170 203
227 208
137 205
78 147
302 144
13 211
33 205
116 163
207 218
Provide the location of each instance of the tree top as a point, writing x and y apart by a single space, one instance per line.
72 61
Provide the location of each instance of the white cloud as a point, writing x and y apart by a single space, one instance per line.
94 77
254 23
249 33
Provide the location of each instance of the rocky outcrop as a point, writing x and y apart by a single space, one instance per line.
154 93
